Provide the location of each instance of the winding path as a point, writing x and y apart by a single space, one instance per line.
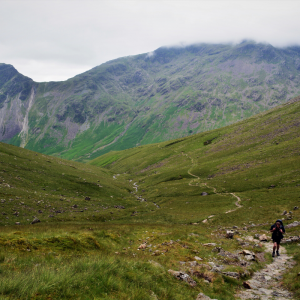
237 203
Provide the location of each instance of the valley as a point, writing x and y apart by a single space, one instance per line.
169 220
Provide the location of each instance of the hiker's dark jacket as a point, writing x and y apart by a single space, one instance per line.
277 234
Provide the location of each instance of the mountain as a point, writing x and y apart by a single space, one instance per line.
147 98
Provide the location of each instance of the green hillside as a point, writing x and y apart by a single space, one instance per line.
54 190
148 98
151 195
257 159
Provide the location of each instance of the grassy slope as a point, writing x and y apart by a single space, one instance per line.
34 184
93 259
245 158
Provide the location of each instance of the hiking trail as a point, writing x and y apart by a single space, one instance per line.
237 203
266 284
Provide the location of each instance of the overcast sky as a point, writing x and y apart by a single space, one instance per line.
56 40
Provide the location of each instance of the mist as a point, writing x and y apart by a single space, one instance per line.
56 40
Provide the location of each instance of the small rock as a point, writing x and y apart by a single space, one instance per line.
263 238
18 223
296 207
156 264
232 274
217 249
204 194
119 206
198 258
284 213
201 296
229 234
204 221
193 263
87 198
210 244
183 276
35 220
193 234
246 285
143 246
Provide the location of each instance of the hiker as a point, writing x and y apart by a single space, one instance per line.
277 230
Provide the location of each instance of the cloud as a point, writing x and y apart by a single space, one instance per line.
53 40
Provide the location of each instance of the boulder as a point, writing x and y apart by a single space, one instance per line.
35 220
229 234
263 238
248 255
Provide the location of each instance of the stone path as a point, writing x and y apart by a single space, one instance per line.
266 283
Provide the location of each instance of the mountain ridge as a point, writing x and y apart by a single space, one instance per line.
146 98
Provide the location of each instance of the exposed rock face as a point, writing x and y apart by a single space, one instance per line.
294 224
45 117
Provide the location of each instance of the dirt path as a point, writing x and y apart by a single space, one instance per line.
266 283
237 203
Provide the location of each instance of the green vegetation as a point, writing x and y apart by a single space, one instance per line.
95 216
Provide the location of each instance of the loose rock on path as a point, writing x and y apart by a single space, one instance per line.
265 284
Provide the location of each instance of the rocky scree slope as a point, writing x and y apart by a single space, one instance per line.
147 98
